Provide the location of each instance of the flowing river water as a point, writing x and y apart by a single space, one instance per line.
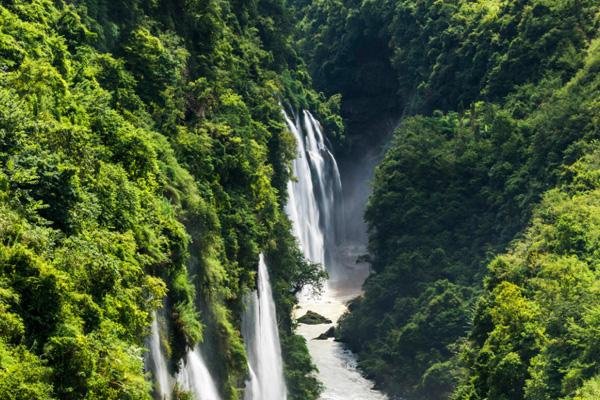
337 366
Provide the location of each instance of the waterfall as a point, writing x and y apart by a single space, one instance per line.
314 191
259 328
315 210
195 377
302 205
158 363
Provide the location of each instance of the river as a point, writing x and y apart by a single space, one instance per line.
337 366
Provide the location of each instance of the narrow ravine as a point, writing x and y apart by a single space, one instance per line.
315 202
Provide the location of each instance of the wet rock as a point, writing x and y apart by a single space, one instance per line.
312 318
329 333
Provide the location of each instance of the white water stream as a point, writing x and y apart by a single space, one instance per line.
313 207
195 377
302 207
259 328
158 363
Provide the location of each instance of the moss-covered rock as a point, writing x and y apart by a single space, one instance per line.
313 318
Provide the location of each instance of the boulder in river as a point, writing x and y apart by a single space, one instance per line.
312 318
329 333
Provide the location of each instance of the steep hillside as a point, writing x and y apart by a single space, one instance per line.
500 100
144 160
143 163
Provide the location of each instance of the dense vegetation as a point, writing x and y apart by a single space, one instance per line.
417 56
499 155
143 163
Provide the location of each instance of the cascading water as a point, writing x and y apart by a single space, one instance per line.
158 363
314 194
195 377
302 205
314 202
325 171
259 328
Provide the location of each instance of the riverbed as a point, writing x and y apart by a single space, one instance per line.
337 366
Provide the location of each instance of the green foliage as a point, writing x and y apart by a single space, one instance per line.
405 57
535 328
589 390
346 48
22 375
453 190
143 164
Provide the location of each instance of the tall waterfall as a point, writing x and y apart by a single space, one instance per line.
195 377
314 191
158 363
259 328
